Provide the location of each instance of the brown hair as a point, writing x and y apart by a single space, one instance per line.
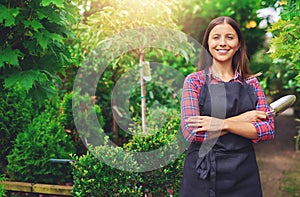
240 62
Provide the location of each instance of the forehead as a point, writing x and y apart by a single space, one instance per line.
223 29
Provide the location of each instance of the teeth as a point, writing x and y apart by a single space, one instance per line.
222 51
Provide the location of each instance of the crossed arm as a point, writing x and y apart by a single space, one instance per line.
257 125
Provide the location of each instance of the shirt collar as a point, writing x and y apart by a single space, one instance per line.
212 76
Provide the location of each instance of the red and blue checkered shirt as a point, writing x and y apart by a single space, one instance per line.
190 107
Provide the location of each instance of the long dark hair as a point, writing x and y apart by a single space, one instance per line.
240 62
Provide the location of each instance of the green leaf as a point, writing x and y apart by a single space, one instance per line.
25 78
36 25
11 57
43 38
7 15
58 3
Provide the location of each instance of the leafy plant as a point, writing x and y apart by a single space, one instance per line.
169 176
44 139
67 118
16 113
2 191
92 177
137 16
284 49
34 38
95 173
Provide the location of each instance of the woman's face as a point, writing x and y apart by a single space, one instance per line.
223 43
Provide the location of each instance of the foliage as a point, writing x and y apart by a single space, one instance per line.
33 40
2 191
284 49
169 176
94 177
67 119
44 139
111 20
16 113
94 173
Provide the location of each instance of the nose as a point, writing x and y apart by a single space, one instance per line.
222 41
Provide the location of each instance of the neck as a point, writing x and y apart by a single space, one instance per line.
224 71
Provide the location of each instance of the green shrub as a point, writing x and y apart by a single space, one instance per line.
95 173
44 139
92 177
67 119
16 112
2 191
169 176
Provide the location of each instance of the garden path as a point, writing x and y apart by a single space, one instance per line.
278 156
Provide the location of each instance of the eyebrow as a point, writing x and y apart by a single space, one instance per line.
231 34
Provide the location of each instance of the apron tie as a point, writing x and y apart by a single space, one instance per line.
206 165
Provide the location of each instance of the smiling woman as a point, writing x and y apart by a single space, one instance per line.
223 111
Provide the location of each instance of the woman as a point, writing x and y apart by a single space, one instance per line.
224 108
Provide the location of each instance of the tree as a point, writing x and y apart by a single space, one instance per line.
118 16
33 40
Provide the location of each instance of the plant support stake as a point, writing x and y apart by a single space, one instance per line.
143 90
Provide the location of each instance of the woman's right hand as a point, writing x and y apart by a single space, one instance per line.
250 116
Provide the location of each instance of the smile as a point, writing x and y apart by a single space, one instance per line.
222 50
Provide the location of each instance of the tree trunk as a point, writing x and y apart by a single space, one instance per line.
143 91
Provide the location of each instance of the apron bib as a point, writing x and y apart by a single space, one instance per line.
229 169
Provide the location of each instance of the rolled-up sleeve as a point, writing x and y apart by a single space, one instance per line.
265 129
190 106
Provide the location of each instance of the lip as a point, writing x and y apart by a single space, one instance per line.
222 51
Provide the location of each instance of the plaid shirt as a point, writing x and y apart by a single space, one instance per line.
190 107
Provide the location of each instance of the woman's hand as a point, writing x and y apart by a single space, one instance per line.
250 116
205 123
213 126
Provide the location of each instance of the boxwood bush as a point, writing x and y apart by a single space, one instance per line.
45 138
167 177
94 176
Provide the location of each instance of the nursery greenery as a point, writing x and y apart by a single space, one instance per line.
44 139
2 191
67 118
92 177
284 51
16 112
33 37
44 43
169 176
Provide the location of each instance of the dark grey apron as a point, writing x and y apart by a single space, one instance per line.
229 169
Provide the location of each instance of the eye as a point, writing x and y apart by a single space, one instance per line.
230 37
215 37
